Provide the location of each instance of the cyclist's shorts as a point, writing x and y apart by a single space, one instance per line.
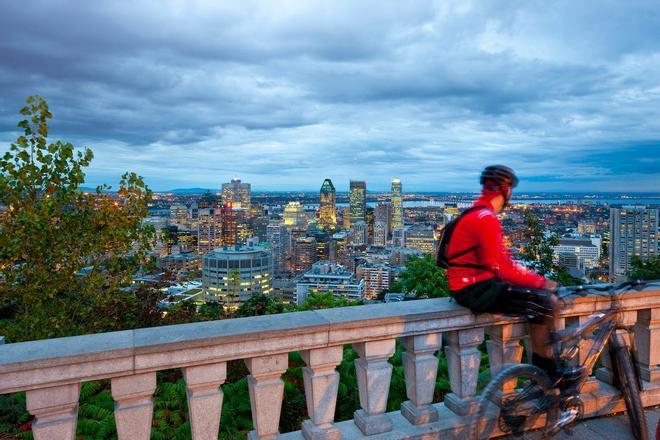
494 296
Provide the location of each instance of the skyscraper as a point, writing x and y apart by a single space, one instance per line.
229 228
380 234
357 198
383 213
359 233
327 212
239 194
294 215
208 224
397 204
179 215
209 230
633 232
304 254
231 276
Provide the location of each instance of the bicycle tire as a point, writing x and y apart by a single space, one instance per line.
482 431
626 376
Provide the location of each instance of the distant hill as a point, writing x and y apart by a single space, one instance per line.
191 190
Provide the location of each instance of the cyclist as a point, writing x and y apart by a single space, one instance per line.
483 277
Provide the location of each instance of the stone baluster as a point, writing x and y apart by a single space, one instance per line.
463 358
266 392
205 398
504 348
321 385
134 405
55 410
420 368
373 375
606 373
647 344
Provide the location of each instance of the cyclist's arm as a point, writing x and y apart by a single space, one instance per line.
494 255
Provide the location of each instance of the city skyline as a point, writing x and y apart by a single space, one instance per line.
430 92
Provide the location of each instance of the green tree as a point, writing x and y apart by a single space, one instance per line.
644 269
325 300
64 254
260 304
423 277
538 252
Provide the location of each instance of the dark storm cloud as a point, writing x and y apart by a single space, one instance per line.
284 94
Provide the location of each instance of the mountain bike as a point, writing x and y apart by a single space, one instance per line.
523 396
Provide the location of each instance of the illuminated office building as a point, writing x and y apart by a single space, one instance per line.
327 209
294 215
359 233
633 232
179 215
324 277
422 238
238 193
357 198
376 278
304 253
383 213
397 204
380 234
229 226
232 275
209 224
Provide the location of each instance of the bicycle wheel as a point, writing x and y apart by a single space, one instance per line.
518 410
629 386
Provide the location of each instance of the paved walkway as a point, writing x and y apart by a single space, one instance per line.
602 428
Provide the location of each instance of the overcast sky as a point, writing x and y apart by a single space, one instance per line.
286 93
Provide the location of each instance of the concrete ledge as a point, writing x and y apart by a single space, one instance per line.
51 362
451 426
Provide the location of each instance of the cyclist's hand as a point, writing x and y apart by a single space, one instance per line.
550 285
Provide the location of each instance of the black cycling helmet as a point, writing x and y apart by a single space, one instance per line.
499 175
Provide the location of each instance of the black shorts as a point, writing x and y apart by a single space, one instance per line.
494 296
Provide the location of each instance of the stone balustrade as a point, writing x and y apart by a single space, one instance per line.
51 371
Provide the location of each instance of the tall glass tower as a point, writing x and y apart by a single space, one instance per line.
397 204
358 201
633 232
238 193
327 212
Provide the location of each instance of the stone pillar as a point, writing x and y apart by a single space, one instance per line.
55 410
134 405
205 398
647 344
321 385
420 368
373 375
463 358
606 373
266 391
504 348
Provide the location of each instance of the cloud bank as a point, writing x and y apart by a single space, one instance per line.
284 94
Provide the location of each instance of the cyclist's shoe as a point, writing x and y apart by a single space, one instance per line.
564 377
569 376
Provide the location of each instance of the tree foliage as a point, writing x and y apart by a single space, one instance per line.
423 277
644 269
64 253
325 300
538 252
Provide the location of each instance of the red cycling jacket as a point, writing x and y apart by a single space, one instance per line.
481 229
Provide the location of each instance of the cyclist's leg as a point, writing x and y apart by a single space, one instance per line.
541 307
541 329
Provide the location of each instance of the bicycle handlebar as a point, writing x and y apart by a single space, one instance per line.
612 288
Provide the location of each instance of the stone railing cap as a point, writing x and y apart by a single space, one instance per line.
238 329
84 348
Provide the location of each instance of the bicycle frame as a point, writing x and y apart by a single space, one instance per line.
602 324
